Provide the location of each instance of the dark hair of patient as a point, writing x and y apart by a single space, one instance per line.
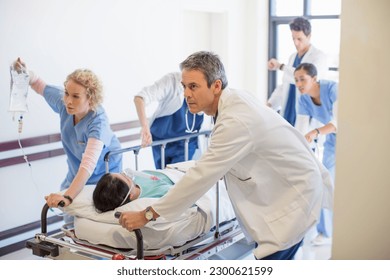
109 193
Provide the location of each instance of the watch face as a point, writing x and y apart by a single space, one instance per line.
149 215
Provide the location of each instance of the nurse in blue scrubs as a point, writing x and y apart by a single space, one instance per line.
86 134
318 101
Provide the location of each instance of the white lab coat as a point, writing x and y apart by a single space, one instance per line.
276 185
279 96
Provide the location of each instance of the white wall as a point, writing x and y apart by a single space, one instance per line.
129 44
362 208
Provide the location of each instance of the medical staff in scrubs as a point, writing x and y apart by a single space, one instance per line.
275 183
171 119
318 101
85 130
285 96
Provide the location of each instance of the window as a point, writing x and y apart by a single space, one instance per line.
288 7
324 16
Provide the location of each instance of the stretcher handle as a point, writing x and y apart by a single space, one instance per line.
45 209
138 235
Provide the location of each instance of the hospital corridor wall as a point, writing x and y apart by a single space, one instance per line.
362 208
129 44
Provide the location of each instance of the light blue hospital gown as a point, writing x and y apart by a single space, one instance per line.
74 137
153 188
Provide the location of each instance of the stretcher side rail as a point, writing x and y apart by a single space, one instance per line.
201 247
161 143
68 246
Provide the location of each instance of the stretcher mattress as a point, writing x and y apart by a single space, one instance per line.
104 229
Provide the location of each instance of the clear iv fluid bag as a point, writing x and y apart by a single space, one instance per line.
19 91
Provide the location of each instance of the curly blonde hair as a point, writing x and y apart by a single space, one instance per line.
92 84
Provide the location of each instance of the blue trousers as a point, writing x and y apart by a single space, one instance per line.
325 225
287 254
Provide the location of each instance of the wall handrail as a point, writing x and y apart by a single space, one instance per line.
54 138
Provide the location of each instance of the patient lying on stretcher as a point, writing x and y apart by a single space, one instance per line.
96 223
116 189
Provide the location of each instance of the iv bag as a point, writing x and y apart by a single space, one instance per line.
19 90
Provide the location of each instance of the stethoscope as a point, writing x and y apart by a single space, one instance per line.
188 130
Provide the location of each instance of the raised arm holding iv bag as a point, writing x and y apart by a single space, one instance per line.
20 81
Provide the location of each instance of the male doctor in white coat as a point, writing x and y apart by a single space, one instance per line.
276 185
285 96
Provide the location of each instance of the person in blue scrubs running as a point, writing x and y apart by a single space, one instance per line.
86 134
318 101
171 119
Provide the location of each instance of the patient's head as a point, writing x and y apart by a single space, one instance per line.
112 190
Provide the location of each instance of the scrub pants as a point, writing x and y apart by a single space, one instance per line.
287 254
325 225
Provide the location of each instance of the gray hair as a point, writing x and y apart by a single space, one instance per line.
209 64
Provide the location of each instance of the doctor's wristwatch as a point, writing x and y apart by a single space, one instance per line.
149 214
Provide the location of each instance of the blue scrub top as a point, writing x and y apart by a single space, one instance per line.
75 137
323 113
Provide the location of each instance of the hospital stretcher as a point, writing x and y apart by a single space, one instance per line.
202 232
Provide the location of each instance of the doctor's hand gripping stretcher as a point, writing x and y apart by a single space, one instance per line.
203 231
